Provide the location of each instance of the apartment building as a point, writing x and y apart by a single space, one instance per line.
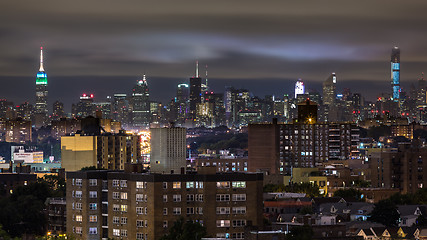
121 205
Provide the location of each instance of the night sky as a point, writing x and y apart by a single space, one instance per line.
104 46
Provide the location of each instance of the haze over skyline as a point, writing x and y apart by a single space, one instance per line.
103 47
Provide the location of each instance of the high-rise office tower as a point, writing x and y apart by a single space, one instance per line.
329 90
84 107
299 87
395 73
329 99
41 112
182 102
58 110
195 92
141 104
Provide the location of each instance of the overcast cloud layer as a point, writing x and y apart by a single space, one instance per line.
110 44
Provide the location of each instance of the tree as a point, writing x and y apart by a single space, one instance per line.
300 233
185 230
349 193
385 212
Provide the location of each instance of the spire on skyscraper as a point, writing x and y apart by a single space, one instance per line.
207 77
41 60
197 69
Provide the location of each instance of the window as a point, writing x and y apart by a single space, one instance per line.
239 223
239 197
116 183
93 218
146 211
92 206
223 197
199 197
139 223
124 220
124 195
78 194
139 210
93 230
116 207
78 182
240 184
93 194
165 198
177 198
165 211
239 235
222 210
116 195
116 220
177 211
146 225
124 208
189 184
140 185
190 197
165 185
139 197
223 184
176 185
79 218
239 210
190 210
123 183
139 236
199 184
116 232
165 224
199 210
93 182
124 233
79 230
78 206
223 223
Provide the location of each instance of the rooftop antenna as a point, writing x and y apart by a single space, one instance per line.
41 60
197 69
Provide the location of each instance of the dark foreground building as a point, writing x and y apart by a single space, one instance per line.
120 205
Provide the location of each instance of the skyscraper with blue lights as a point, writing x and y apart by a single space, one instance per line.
395 73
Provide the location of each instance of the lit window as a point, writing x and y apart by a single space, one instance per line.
176 185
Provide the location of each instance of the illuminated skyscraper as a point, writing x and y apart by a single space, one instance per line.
395 73
329 99
141 104
41 111
299 87
195 92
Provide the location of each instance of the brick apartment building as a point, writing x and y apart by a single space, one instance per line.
121 205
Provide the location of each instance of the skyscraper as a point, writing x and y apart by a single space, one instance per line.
141 104
41 112
329 90
329 99
299 87
195 92
395 73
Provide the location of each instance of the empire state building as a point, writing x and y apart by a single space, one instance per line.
41 112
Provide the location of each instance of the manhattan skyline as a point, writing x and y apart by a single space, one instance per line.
262 47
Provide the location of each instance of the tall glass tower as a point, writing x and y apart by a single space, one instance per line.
41 111
395 73
141 104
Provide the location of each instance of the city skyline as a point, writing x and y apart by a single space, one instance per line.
109 49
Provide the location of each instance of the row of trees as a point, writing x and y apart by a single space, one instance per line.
23 210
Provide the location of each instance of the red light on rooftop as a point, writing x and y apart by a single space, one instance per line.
91 95
84 95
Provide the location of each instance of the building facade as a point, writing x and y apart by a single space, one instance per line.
107 151
141 104
168 150
277 148
120 205
41 111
